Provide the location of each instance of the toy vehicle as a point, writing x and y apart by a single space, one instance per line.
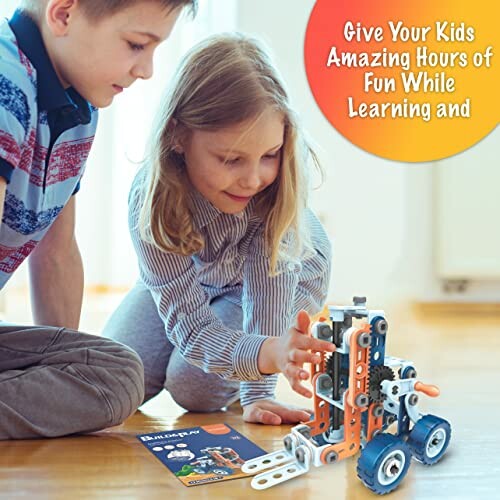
357 396
217 460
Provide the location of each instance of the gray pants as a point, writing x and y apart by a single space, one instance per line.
55 382
136 323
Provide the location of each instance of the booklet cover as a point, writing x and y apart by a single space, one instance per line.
200 455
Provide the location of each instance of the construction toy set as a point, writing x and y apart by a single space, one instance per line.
359 393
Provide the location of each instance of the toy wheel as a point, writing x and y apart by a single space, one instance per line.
429 439
222 471
384 463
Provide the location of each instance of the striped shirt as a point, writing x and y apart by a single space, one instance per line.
233 264
45 137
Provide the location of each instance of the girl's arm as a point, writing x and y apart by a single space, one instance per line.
259 389
314 271
271 304
190 324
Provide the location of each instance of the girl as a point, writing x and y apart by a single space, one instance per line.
228 253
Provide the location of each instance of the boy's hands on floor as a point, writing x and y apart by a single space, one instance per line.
287 354
270 412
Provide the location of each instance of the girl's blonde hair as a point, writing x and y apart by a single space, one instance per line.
225 80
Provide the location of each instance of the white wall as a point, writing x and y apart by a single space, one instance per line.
468 212
379 213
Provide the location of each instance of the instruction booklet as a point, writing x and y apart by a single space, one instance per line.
200 455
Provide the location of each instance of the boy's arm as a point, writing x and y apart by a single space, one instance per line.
56 274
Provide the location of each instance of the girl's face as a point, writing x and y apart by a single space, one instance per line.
231 165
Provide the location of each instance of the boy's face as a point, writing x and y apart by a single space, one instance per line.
230 166
102 58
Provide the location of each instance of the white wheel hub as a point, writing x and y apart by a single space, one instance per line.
392 467
435 443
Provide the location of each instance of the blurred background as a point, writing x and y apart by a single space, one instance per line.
402 233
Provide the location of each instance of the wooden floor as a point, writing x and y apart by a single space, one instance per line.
460 353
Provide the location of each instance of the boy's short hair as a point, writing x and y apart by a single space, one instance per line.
96 9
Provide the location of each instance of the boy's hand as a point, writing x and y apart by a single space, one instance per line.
287 354
269 412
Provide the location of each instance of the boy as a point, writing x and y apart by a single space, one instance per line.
60 60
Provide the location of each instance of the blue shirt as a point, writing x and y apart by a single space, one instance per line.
45 137
233 264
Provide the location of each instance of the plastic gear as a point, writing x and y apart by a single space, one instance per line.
377 375
329 365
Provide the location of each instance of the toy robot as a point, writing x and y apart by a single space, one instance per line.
357 396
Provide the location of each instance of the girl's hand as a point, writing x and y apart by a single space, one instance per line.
287 354
270 412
